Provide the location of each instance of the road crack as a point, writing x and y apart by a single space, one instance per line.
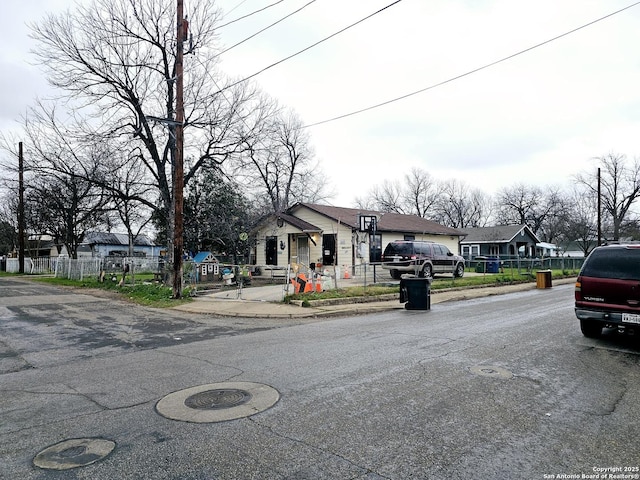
365 470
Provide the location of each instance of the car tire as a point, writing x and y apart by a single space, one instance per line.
395 274
591 328
459 271
427 271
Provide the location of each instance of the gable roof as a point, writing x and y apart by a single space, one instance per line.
387 222
298 223
204 257
396 222
497 234
104 238
346 216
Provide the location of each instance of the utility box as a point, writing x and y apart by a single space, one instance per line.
543 279
415 293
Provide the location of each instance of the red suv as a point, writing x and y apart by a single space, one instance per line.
607 292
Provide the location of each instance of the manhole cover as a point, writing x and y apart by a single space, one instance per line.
73 453
218 398
491 371
218 402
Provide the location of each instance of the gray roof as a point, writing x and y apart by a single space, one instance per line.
396 222
498 234
104 238
346 216
387 222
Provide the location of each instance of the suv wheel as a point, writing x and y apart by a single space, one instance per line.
427 270
459 271
590 328
395 274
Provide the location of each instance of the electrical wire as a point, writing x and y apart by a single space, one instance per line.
266 28
310 46
247 15
470 72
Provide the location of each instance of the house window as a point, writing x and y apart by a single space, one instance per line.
470 251
409 238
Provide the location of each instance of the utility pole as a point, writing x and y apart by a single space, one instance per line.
599 203
178 167
21 228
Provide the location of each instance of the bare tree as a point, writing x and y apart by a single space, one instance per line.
420 193
388 197
414 195
516 205
279 164
552 215
620 188
114 61
581 221
460 206
8 227
65 207
530 205
128 193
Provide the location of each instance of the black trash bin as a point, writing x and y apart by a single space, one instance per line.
415 293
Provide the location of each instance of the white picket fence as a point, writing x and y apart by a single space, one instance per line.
31 265
81 268
77 269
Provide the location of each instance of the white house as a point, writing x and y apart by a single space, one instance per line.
322 235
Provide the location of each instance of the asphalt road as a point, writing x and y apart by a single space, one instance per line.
504 387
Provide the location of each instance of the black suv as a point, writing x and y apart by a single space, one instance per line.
424 259
607 292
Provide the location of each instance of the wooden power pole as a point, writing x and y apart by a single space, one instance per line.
21 229
599 204
178 167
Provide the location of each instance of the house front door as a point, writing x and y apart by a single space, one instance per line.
303 251
271 252
329 249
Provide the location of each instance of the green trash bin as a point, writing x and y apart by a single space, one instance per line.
415 293
481 265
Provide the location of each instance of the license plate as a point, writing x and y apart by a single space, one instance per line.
630 318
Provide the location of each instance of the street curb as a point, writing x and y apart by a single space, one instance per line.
279 310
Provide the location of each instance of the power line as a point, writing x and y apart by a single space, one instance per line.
310 46
266 28
247 15
475 70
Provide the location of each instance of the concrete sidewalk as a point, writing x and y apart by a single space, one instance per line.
266 302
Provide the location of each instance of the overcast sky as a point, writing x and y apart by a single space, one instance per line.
538 118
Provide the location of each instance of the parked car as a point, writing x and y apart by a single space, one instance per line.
607 291
424 259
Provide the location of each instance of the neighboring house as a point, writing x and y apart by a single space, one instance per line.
41 246
101 244
544 249
505 241
323 235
